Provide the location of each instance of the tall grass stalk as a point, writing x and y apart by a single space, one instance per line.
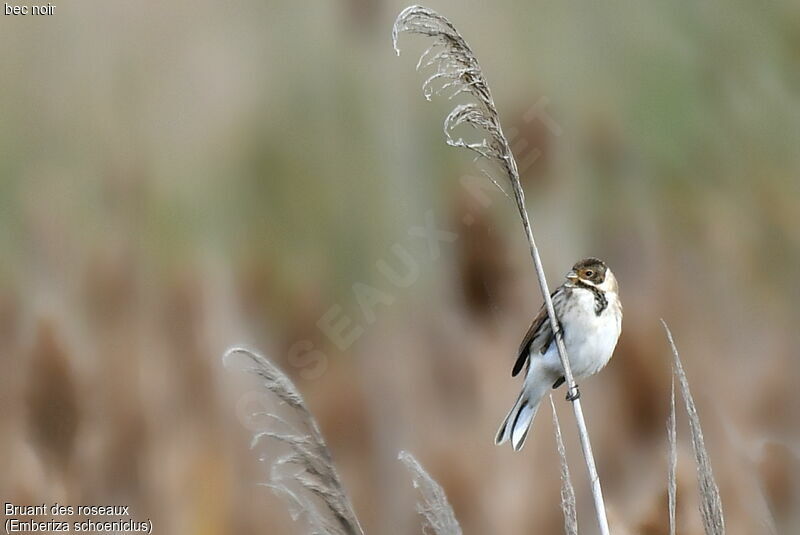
434 507
568 505
672 439
710 501
317 481
456 71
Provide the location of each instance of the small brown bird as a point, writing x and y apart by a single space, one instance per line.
590 316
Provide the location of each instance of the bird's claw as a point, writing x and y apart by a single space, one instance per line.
573 394
560 331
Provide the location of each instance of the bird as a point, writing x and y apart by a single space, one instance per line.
589 315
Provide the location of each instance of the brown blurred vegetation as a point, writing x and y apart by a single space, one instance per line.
179 177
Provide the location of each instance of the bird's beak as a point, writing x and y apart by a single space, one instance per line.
572 275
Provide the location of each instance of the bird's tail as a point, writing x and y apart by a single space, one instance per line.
518 421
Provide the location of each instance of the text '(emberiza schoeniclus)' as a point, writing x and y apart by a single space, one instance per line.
590 316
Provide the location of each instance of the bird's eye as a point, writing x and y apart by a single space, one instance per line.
589 272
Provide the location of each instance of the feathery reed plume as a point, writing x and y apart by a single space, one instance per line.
318 480
672 438
710 501
568 506
434 507
456 70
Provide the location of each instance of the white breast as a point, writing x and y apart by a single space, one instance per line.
590 339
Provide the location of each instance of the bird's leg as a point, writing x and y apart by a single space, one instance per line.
559 382
573 393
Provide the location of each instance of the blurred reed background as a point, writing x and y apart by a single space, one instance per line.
179 177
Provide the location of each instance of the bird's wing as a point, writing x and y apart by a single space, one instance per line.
539 335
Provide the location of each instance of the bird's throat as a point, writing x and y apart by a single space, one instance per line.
600 299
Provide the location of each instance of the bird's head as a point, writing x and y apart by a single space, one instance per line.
593 272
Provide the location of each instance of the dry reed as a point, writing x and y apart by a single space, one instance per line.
568 504
435 509
672 439
710 501
457 71
317 481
